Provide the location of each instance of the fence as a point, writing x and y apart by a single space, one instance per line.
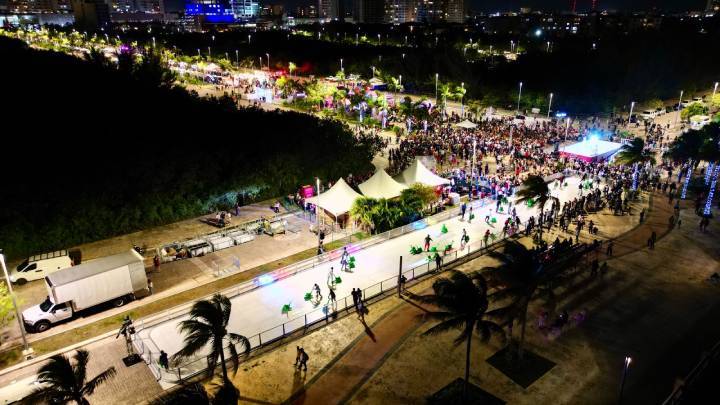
322 314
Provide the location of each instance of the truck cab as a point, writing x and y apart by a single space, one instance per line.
40 317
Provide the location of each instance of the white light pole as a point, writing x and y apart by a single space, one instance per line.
373 70
549 105
472 170
714 91
626 367
462 94
567 127
677 117
209 54
632 106
436 88
27 351
248 39
519 95
317 211
153 38
341 66
237 59
512 46
268 56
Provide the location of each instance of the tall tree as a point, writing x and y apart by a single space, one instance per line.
63 382
207 328
518 276
463 302
535 188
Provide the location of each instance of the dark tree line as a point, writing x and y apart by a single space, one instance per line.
90 151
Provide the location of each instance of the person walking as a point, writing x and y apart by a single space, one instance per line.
318 295
164 362
463 208
438 262
344 260
355 298
332 297
609 250
150 286
298 355
642 215
303 359
401 282
361 310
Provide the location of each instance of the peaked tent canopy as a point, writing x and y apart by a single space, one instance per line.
418 173
381 185
338 200
466 124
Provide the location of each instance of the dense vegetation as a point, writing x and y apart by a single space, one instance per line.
92 150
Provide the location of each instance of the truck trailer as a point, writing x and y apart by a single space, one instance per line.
114 278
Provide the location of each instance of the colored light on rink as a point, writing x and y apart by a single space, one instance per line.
265 279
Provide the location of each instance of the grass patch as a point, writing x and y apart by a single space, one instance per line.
452 394
523 372
12 355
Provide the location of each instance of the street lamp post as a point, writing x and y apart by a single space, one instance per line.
248 39
317 213
519 96
209 54
153 39
260 61
632 106
472 170
677 117
549 105
199 55
268 56
27 351
373 71
714 91
567 127
436 88
341 66
237 59
462 94
626 367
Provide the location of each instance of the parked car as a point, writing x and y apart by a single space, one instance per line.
38 266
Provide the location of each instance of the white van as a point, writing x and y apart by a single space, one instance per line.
38 266
648 114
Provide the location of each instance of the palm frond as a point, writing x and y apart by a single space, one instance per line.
91 385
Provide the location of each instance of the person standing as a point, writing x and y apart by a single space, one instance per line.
156 262
463 208
438 262
332 297
150 286
428 239
344 260
609 250
355 298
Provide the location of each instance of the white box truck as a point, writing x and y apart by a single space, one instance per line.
114 278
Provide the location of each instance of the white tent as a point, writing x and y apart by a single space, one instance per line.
466 124
418 173
381 185
338 200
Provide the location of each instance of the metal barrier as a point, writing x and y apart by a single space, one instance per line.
676 397
321 314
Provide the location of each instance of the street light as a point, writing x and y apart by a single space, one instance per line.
626 367
632 106
462 106
27 351
237 59
209 54
248 38
153 39
714 91
519 95
677 117
550 105
268 56
317 212
436 88
341 66
373 71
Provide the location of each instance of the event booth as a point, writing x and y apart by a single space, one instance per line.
592 150
381 185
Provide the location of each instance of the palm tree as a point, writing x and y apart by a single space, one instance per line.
518 276
362 212
634 152
63 382
463 300
207 326
291 67
445 93
386 215
535 188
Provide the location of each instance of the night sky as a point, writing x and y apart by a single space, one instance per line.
505 5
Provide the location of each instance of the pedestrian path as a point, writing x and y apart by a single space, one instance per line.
342 377
656 219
